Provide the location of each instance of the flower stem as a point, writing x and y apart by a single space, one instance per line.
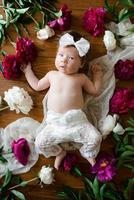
11 188
4 108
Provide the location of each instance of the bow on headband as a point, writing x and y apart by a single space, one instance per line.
81 45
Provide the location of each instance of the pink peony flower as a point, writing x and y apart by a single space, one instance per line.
63 22
21 150
122 101
105 168
11 67
69 161
124 70
93 21
25 50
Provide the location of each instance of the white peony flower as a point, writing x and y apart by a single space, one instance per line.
46 176
45 33
124 27
18 99
119 129
108 125
109 40
128 40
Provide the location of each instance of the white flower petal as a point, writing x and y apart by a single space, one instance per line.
119 129
45 33
108 125
18 99
109 40
46 175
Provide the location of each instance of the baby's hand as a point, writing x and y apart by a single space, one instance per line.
25 67
97 69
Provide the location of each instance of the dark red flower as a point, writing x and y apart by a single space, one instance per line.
105 168
21 150
25 50
122 101
63 22
93 21
11 67
124 70
69 161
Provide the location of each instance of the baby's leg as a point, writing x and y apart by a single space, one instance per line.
59 159
92 161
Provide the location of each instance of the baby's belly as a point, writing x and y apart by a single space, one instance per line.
61 104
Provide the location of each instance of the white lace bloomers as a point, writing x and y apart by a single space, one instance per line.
72 126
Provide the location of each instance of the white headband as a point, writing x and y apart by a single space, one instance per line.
81 45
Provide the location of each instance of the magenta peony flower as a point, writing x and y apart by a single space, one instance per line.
69 161
11 67
93 21
122 101
21 150
63 22
105 168
124 70
25 50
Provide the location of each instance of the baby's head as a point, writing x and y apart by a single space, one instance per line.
72 54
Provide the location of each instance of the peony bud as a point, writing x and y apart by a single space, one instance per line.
45 33
118 129
108 125
46 176
109 41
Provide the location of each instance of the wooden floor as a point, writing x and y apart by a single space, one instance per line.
44 63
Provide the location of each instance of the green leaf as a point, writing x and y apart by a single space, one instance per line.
102 191
116 137
88 182
58 14
130 147
2 21
129 129
15 19
130 166
22 11
76 171
127 3
131 121
125 140
129 188
124 14
7 179
17 29
23 183
18 194
3 159
3 53
126 154
96 189
70 193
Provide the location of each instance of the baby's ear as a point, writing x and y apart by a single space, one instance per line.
83 61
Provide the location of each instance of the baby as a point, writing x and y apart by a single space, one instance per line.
65 120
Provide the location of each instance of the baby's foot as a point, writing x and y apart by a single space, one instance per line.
59 159
92 161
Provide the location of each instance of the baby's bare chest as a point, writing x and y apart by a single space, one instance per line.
66 84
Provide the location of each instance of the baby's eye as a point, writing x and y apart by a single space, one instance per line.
60 54
70 58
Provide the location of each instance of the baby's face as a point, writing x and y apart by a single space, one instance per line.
68 60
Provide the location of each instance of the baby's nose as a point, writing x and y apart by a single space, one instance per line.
65 59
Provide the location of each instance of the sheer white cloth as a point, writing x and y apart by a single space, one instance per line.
21 128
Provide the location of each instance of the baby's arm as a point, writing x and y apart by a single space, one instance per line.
94 87
33 81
